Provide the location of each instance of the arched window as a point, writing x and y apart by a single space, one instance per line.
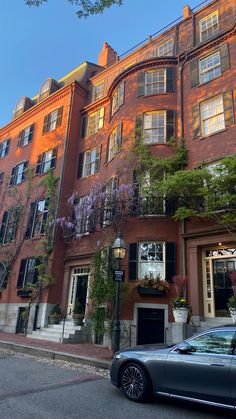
20 106
45 89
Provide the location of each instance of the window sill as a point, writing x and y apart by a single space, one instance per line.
208 81
205 137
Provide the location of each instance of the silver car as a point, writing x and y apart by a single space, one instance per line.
200 369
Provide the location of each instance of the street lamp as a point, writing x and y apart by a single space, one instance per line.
119 251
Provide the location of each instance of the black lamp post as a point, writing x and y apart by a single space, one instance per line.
119 251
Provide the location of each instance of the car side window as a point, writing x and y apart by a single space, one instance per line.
219 342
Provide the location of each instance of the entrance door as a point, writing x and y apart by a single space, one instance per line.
78 290
20 327
222 268
150 326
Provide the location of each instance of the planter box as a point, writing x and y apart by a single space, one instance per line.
150 291
23 293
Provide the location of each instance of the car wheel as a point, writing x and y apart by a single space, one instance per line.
135 382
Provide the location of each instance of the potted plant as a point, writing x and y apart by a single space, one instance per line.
179 304
78 314
153 285
232 307
55 315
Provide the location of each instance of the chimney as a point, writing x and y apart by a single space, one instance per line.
187 11
107 56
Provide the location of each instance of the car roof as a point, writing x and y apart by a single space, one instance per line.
223 326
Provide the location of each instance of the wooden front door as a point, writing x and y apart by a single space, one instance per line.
222 268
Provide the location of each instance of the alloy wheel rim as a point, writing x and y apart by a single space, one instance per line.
132 381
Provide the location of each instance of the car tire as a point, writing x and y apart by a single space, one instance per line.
135 382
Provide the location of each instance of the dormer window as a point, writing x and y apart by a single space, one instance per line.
45 89
48 87
22 105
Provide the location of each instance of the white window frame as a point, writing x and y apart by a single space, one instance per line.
90 162
166 48
98 90
151 272
19 173
209 68
47 160
117 98
206 25
157 86
39 215
95 121
4 148
216 119
158 127
114 143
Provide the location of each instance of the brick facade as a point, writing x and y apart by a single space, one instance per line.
91 89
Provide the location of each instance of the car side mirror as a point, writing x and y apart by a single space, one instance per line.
185 348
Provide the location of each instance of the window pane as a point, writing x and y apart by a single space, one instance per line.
214 342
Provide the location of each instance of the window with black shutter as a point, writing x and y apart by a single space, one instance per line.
28 272
52 120
4 148
171 261
25 136
9 225
133 256
46 161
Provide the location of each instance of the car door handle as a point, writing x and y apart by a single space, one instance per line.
218 365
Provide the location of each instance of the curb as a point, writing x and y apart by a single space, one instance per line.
46 353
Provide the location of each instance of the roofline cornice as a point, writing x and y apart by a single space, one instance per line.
150 63
221 36
64 91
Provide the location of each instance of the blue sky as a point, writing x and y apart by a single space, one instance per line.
50 41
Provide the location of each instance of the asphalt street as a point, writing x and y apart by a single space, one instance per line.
32 388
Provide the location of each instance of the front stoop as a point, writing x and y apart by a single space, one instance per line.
64 333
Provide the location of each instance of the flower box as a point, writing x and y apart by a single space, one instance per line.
24 293
150 291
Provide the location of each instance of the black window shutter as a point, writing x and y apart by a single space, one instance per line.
1 177
46 124
98 157
36 272
54 158
39 164
119 135
108 149
171 248
19 140
5 279
84 126
170 125
228 108
138 128
194 73
59 116
21 276
135 203
140 84
31 133
224 57
170 79
3 226
30 223
133 255
196 121
80 165
7 147
12 177
23 174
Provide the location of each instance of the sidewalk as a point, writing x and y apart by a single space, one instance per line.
85 353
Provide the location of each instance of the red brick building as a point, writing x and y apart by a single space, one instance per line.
180 84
